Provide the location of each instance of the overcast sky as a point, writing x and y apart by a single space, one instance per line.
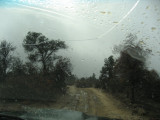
90 27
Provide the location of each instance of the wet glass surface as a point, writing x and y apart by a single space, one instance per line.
99 57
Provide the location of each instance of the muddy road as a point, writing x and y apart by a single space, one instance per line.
94 102
91 101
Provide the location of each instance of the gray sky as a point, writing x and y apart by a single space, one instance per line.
90 28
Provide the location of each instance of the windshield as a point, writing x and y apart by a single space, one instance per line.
98 57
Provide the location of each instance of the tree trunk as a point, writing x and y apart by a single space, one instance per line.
132 94
44 68
4 70
128 92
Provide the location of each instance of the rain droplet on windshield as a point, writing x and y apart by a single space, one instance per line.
103 12
108 12
82 60
115 22
141 42
153 28
147 7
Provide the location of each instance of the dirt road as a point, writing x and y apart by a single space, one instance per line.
91 101
94 102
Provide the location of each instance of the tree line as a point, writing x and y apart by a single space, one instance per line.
41 76
86 82
128 78
128 74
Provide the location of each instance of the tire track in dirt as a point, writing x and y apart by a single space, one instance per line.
95 102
